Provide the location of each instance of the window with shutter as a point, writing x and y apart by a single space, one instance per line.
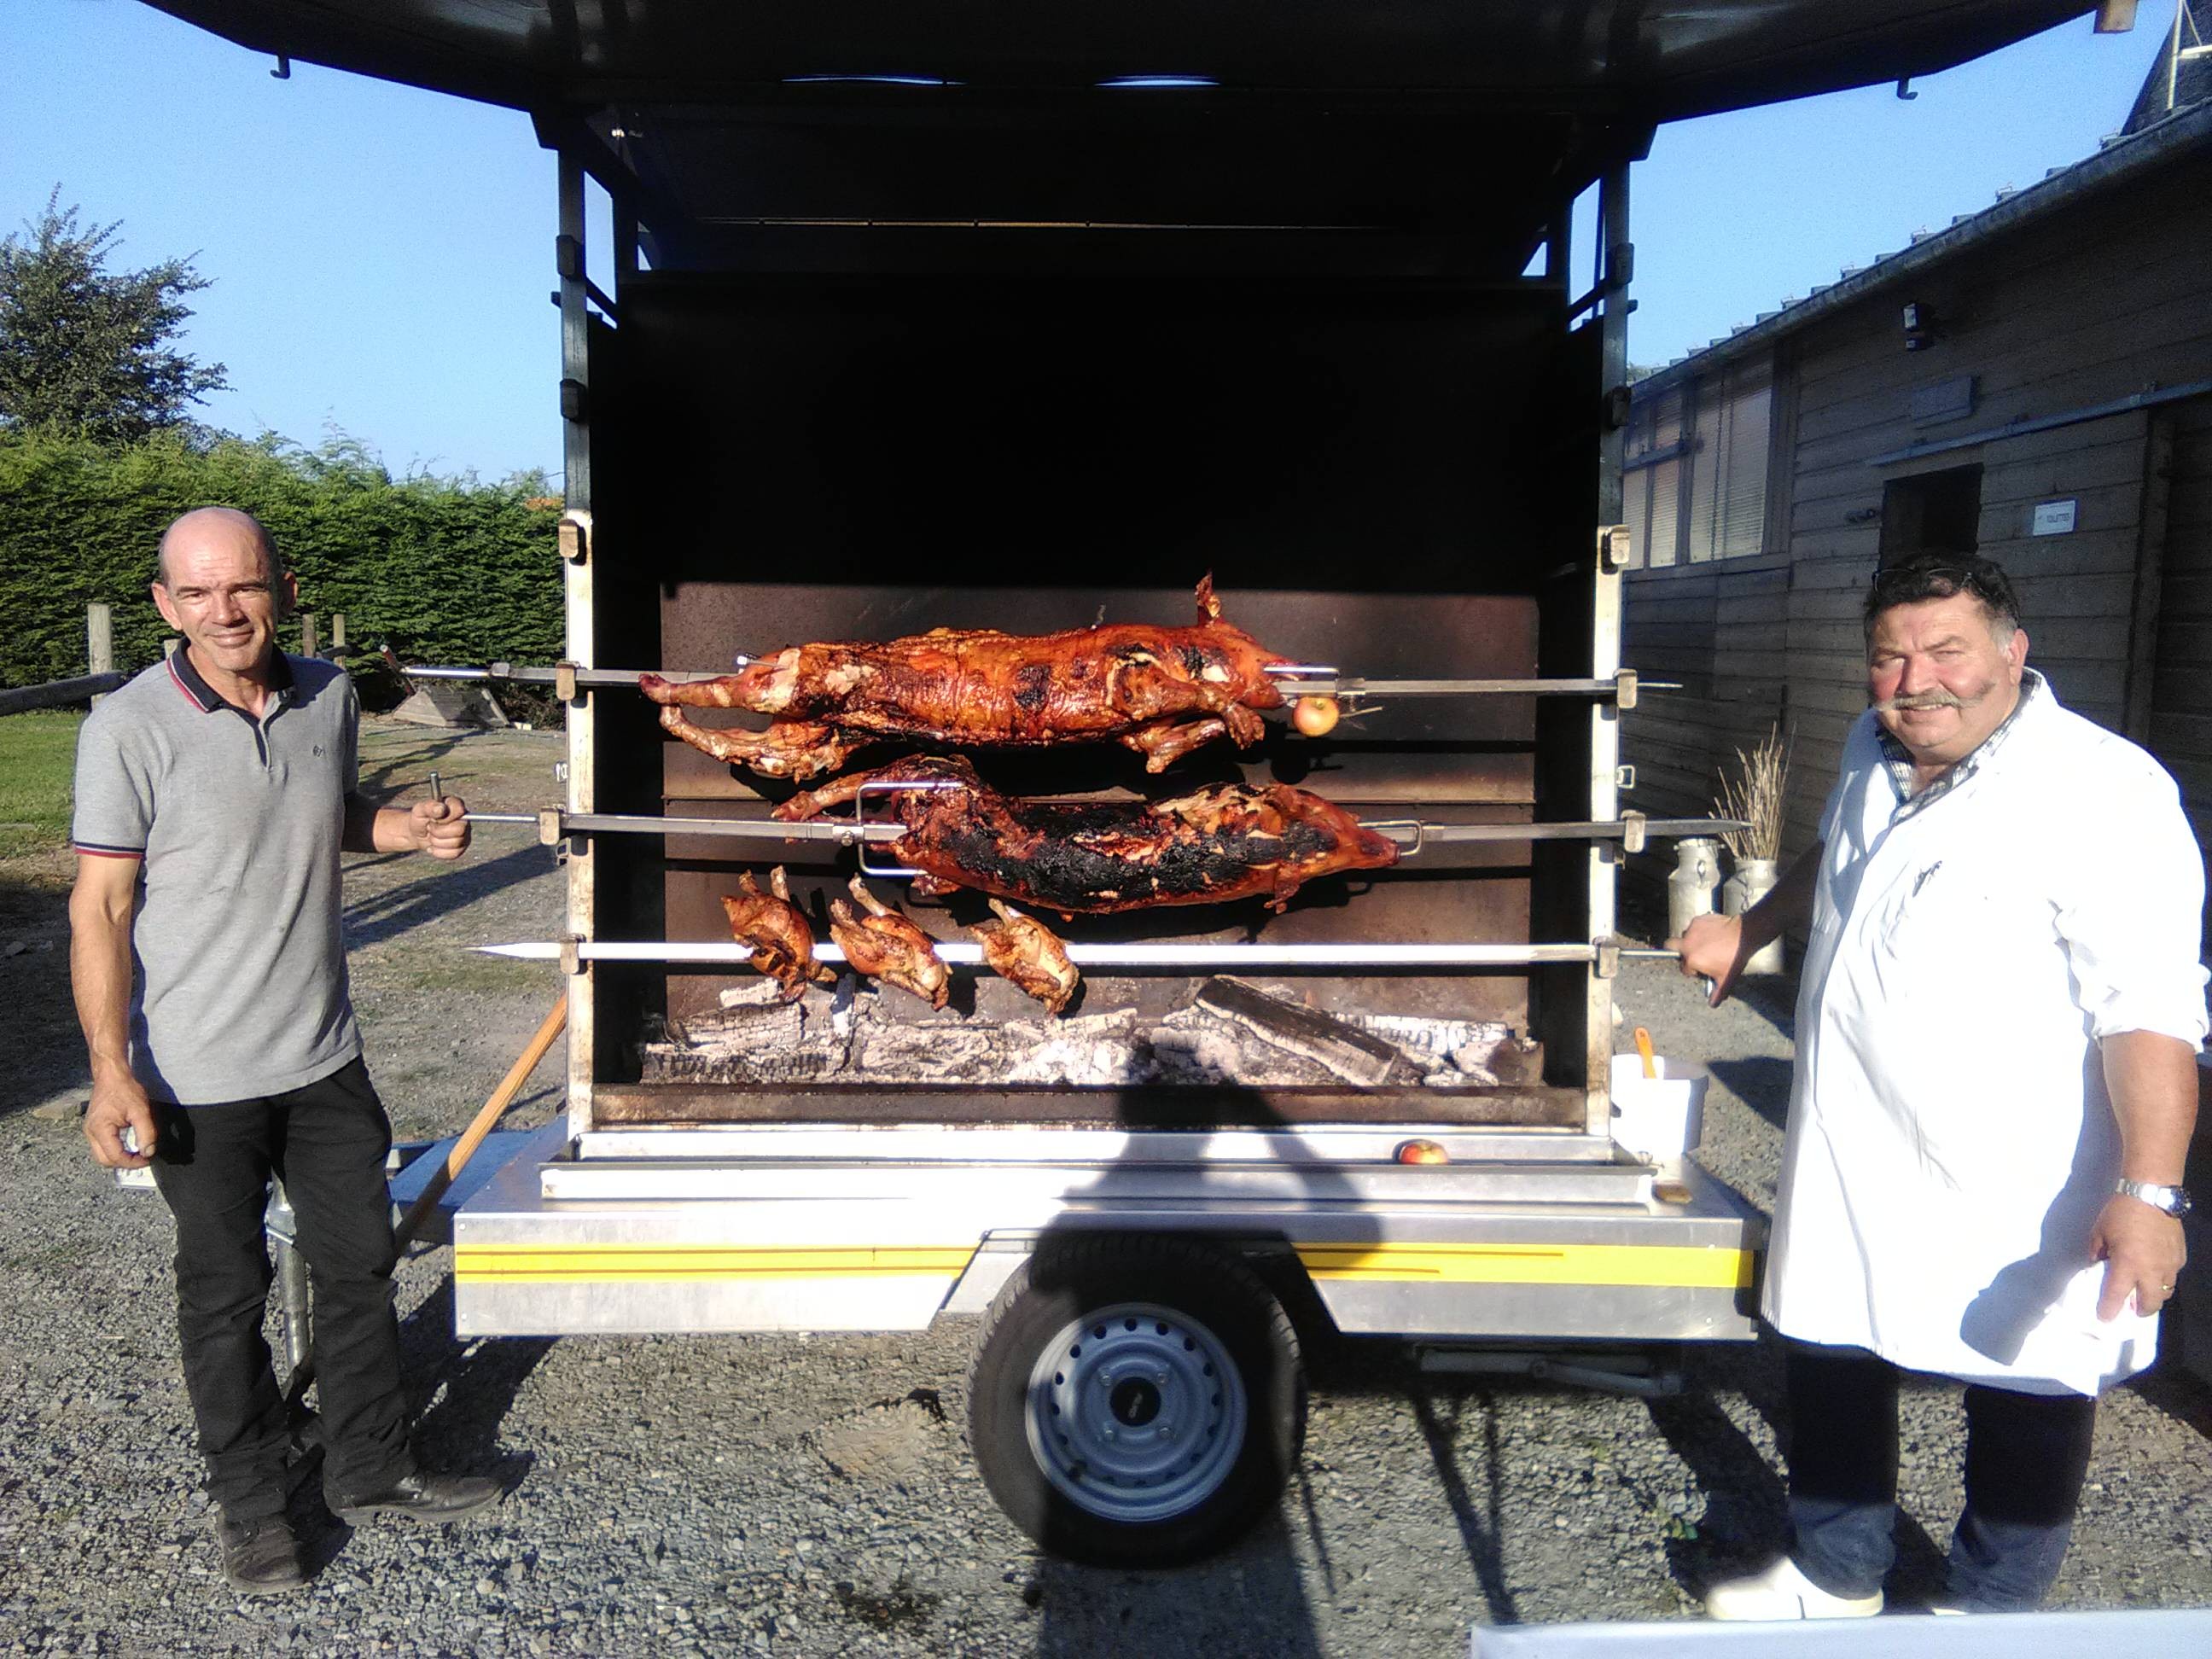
1697 457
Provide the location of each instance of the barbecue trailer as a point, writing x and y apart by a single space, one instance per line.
920 318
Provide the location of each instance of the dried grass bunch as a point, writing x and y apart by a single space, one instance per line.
1754 794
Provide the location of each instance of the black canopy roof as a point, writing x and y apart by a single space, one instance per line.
1657 59
1468 119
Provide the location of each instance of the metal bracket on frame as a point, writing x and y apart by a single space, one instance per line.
1614 547
572 961
575 536
862 825
564 681
1605 957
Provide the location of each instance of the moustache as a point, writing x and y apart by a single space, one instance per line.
1920 699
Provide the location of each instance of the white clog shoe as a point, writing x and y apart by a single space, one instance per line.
1782 1592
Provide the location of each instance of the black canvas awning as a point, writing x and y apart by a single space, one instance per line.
1469 121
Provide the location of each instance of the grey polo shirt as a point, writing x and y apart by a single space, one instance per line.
240 984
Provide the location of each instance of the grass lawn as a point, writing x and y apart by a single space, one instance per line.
38 753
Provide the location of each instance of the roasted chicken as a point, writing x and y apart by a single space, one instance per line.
1025 952
1163 692
1227 841
782 942
884 945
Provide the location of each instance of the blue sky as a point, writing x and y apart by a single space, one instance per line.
382 255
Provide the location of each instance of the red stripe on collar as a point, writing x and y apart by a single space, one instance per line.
197 702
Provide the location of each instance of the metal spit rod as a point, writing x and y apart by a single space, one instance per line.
1416 833
1307 679
960 954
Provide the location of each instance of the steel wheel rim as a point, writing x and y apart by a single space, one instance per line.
1135 1413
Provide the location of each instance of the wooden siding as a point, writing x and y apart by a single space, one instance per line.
2180 727
2110 298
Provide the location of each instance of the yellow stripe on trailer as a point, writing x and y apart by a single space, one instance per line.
1699 1267
567 1264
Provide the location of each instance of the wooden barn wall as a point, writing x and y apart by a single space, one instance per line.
2177 725
2107 300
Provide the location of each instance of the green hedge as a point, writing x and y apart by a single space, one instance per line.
442 569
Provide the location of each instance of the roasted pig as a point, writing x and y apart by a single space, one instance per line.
782 942
1163 692
1227 841
884 945
1025 952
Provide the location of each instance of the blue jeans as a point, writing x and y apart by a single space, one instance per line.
2027 1456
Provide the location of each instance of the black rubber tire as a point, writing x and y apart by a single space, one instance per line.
1068 1277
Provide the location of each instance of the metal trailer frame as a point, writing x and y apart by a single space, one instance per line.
604 1227
1543 1237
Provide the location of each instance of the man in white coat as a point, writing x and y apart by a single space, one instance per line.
2000 1005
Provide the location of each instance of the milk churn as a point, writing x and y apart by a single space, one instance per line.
1753 880
1690 889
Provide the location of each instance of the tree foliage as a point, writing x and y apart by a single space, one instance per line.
86 351
443 569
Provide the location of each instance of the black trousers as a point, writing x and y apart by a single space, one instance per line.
326 1143
2027 1456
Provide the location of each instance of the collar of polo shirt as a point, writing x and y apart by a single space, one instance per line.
190 681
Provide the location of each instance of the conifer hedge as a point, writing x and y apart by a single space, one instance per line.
447 570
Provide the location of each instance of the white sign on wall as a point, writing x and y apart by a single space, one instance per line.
2053 518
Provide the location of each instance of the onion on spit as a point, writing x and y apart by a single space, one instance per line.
1024 951
782 941
884 945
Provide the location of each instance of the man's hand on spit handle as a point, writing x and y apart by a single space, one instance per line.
439 826
1712 949
1716 948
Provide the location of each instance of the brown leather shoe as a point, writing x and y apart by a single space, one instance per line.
259 1557
423 1497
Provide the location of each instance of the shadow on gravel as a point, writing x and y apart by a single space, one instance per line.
1761 1082
2180 1397
1747 1520
1480 1527
460 1390
459 1394
443 890
1250 1600
416 761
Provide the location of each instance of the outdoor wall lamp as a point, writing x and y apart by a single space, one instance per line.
1919 326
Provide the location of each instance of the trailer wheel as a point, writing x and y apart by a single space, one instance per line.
1135 1400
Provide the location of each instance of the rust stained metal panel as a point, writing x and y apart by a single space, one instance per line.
1462 761
1519 1106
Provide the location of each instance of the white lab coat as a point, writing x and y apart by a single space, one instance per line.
1951 1140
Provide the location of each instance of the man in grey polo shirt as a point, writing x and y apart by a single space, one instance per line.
214 795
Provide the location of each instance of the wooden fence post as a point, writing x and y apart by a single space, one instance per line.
337 633
98 642
307 632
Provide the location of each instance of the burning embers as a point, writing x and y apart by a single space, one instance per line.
1231 1033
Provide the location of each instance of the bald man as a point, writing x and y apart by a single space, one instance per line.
214 795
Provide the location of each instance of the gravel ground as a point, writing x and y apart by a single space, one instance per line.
814 1494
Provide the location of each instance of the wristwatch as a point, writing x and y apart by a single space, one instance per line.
2172 1199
